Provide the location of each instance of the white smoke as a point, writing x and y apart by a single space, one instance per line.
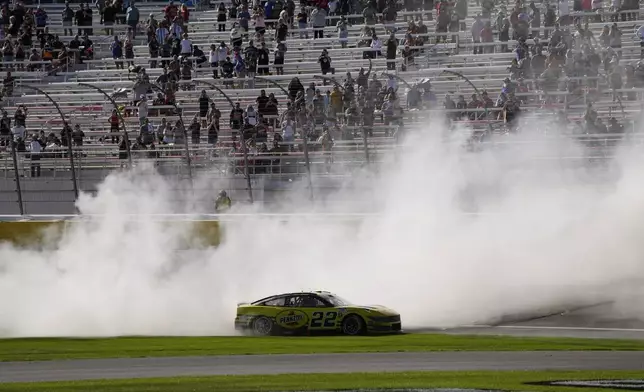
543 234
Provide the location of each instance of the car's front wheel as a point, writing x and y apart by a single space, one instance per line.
263 326
353 325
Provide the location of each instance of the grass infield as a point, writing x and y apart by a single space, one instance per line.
138 347
509 381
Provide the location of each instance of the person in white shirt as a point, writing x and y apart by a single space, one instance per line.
35 149
18 132
392 83
288 134
376 45
143 109
186 46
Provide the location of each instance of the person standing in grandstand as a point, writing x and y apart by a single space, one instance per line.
35 148
132 19
302 23
280 53
143 109
318 20
117 52
236 118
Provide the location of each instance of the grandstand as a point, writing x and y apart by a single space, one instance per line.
435 62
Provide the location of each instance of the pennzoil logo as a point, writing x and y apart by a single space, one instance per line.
292 318
631 385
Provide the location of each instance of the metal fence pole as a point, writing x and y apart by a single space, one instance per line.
243 141
185 134
120 115
307 163
246 168
69 137
366 144
14 156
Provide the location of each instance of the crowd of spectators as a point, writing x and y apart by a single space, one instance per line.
555 51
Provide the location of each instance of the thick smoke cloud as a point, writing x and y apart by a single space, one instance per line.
457 238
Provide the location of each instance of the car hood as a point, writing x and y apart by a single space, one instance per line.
383 310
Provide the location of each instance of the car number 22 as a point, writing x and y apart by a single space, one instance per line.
323 319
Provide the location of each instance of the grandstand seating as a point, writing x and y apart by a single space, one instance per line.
91 110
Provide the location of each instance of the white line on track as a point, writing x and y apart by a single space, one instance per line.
555 328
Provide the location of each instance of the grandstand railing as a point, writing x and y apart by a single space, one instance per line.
226 165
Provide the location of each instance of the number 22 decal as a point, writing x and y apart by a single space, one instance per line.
329 319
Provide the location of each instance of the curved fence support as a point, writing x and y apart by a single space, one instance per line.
118 112
70 150
305 143
185 133
14 158
478 92
243 141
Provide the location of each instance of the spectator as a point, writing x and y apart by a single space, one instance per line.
302 23
35 148
129 52
318 20
20 122
221 17
132 19
236 118
77 136
195 130
280 53
68 19
143 108
117 52
325 63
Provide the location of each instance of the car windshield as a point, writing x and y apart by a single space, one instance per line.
335 300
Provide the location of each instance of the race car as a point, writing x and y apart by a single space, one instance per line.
315 311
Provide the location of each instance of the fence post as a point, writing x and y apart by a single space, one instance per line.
185 133
69 136
14 156
366 145
246 168
305 144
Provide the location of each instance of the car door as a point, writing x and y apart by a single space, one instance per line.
322 315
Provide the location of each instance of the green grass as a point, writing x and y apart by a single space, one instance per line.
484 380
137 347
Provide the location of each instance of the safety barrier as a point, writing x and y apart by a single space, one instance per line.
49 233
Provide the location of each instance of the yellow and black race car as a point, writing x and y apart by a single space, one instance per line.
315 311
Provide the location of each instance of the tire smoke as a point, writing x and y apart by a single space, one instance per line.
457 237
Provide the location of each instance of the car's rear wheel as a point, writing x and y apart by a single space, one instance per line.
353 325
263 326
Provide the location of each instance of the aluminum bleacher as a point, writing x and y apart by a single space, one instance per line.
89 109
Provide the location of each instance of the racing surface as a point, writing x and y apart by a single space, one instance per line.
598 321
317 363
601 321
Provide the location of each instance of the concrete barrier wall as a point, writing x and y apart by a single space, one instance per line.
48 233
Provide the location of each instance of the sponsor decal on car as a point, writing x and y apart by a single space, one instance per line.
631 384
292 319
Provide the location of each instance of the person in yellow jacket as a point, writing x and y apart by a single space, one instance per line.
223 202
336 101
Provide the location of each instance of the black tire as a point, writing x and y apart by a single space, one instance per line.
353 325
262 326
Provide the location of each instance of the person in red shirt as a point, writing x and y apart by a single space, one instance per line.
170 11
185 13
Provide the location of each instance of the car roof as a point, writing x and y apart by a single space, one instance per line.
317 292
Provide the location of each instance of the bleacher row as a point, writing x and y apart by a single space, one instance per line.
91 110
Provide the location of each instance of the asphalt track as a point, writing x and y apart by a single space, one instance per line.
317 363
590 322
